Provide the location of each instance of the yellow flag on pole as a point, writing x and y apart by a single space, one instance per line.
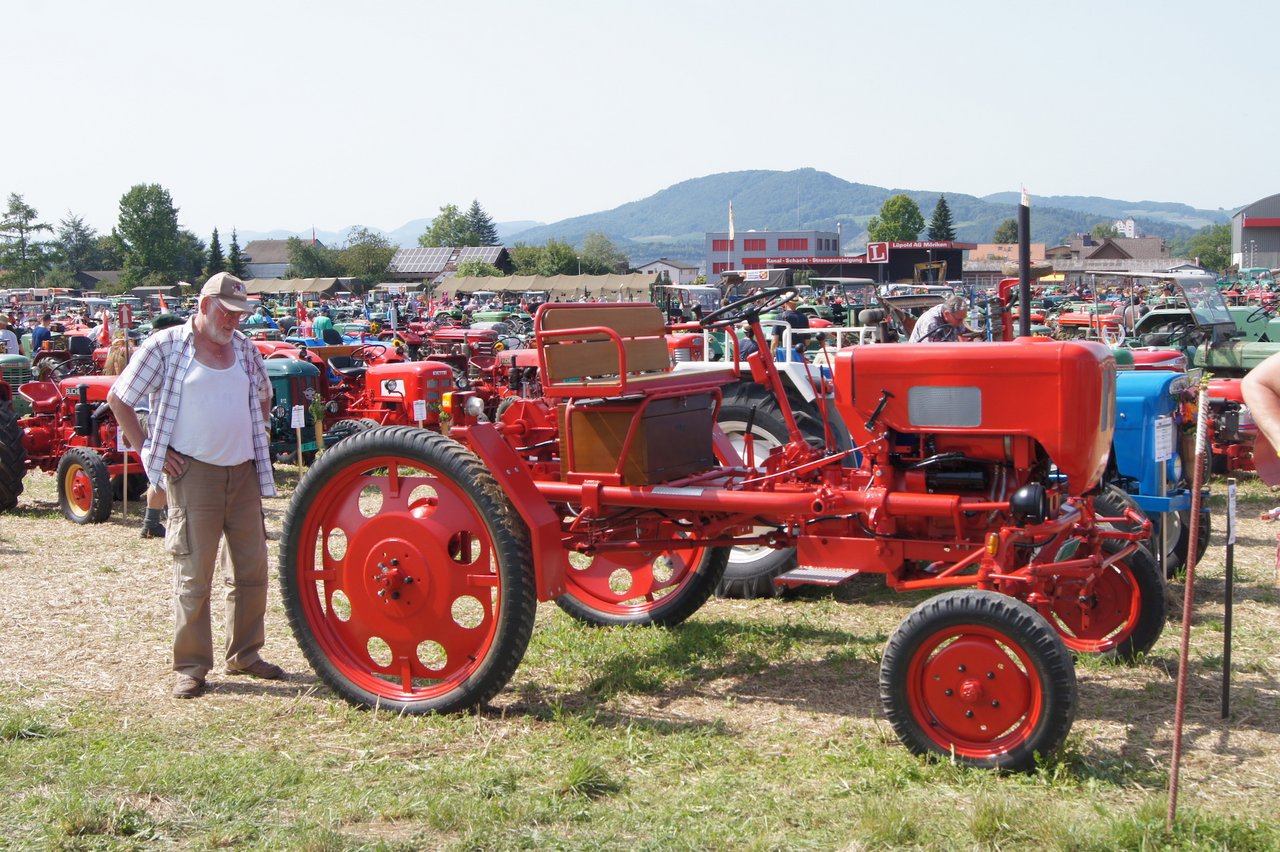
730 221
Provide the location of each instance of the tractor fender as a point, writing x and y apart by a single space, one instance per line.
550 560
795 374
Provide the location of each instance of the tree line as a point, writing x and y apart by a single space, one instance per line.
149 247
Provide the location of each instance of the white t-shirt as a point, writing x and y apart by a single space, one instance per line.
214 424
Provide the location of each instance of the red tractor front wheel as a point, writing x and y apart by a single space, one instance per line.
979 677
406 573
84 486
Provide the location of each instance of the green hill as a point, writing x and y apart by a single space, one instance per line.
673 222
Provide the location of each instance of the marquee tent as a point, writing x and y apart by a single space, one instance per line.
612 287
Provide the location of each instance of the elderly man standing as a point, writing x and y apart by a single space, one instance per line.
943 322
208 449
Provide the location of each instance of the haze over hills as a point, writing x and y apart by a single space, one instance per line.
406 236
673 222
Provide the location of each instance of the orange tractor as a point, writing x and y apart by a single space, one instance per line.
412 562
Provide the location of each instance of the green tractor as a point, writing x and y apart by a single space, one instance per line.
15 370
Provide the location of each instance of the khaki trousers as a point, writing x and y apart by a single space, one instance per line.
206 504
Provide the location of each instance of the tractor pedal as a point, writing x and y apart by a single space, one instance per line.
810 575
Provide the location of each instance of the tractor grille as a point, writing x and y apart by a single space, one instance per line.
482 345
16 374
297 389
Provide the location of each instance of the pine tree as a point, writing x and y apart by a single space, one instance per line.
940 227
481 226
235 260
217 263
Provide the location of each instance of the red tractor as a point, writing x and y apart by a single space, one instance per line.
411 562
371 385
72 434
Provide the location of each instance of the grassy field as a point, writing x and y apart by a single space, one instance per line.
755 725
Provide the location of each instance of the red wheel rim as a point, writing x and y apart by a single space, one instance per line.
631 582
974 691
404 604
1098 615
79 490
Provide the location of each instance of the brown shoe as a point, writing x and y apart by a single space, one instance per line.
259 668
187 686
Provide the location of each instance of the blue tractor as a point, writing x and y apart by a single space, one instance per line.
1150 462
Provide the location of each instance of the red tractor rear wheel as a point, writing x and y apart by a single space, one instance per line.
1118 614
643 587
84 486
406 573
979 676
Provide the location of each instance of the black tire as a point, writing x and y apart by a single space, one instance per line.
1183 546
1000 695
13 457
588 601
469 521
751 570
344 429
1112 501
1102 623
84 486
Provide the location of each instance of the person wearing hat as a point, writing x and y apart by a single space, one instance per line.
321 322
792 317
8 340
208 448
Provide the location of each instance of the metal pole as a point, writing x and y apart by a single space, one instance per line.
1227 605
1024 267
1188 595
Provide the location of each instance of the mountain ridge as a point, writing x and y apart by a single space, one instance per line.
673 221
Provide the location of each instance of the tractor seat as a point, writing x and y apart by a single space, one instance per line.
348 367
43 396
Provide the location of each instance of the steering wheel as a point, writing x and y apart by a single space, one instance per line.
75 366
760 303
1263 311
368 351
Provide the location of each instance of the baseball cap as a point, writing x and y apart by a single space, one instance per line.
228 290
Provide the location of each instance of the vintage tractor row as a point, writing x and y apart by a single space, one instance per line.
357 388
70 433
411 562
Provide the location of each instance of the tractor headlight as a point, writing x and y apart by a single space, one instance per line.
331 406
279 411
474 407
1174 471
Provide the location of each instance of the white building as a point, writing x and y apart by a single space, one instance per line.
678 272
1127 228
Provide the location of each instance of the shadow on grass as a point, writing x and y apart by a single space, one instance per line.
722 660
1145 712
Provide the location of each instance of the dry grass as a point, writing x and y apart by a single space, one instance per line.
85 620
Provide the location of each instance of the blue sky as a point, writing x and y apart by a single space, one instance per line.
289 114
